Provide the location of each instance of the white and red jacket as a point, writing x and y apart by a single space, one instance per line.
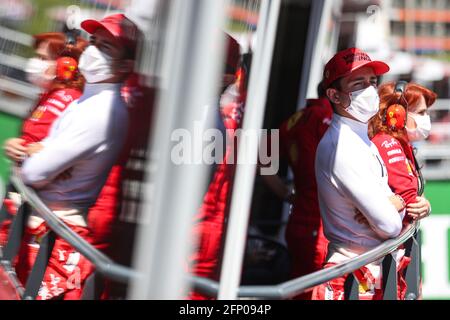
49 107
399 161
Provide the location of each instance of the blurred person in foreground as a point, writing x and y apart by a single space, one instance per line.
299 137
54 70
210 221
84 142
352 178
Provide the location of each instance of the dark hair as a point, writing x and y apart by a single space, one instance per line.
131 51
336 84
321 91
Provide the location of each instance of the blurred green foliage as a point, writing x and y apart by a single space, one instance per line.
445 56
41 22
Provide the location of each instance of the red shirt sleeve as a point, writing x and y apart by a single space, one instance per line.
402 180
36 127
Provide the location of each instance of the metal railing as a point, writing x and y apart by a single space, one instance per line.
104 266
107 268
290 289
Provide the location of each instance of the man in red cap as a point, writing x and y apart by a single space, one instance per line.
112 35
87 140
351 176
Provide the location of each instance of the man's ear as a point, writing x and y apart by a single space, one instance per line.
333 95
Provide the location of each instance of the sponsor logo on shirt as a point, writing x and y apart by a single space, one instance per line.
389 144
397 159
64 96
408 166
54 111
37 114
294 119
293 153
327 121
395 151
57 103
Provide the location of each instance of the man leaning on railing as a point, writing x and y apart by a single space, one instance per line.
352 178
82 146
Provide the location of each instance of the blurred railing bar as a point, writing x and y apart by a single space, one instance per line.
9 270
16 36
104 265
20 88
13 61
16 107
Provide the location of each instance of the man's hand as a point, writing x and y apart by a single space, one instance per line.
34 148
14 149
420 209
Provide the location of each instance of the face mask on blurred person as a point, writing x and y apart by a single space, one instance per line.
364 104
423 127
36 70
95 65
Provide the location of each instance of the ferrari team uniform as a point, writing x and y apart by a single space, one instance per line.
35 128
401 167
210 221
87 140
352 179
399 160
299 137
104 213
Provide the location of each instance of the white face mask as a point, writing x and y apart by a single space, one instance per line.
95 65
364 104
36 72
423 127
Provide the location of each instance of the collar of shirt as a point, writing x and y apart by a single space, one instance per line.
91 89
359 128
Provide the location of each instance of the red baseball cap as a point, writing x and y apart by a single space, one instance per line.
346 61
119 26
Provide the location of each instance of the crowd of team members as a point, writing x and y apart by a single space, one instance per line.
356 177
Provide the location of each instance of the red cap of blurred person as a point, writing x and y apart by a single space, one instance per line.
346 61
119 26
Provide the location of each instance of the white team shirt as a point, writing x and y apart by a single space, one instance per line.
350 174
87 138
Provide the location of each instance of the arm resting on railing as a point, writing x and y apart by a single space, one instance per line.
296 286
103 264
